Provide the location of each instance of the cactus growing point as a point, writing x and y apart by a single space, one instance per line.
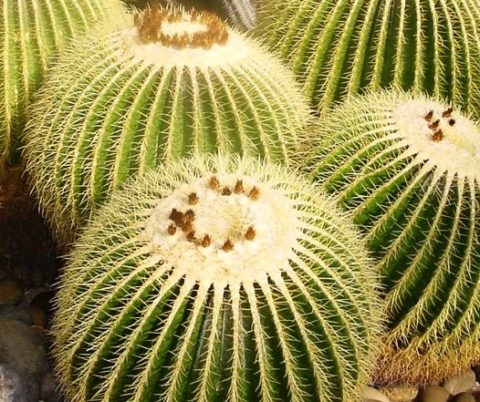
241 13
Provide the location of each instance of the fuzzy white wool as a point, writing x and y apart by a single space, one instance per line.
222 218
459 150
233 51
181 27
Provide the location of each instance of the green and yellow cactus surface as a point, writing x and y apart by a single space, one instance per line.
217 279
31 32
341 47
407 169
162 85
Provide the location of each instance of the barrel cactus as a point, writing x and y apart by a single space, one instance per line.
407 168
159 86
344 47
30 33
217 279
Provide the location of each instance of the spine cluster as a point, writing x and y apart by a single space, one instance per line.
242 13
149 25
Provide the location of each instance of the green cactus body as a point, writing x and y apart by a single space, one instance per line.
31 32
123 100
408 170
344 47
217 279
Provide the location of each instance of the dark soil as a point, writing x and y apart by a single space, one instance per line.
27 251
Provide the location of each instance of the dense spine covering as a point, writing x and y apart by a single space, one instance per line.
344 47
217 279
31 31
123 100
407 168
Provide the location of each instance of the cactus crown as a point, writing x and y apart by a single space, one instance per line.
179 29
174 36
440 134
228 227
116 106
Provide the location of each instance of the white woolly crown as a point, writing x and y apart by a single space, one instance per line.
441 135
173 37
227 228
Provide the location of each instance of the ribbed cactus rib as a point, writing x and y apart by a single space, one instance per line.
344 47
407 168
115 107
287 312
31 31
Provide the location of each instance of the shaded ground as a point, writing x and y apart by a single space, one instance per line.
27 251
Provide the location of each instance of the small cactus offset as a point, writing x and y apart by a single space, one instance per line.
168 84
31 31
407 168
343 47
217 279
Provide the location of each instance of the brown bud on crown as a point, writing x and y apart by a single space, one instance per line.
176 216
429 115
448 112
192 198
250 234
227 246
214 183
438 136
238 187
254 193
191 236
171 229
205 241
434 125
